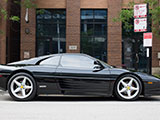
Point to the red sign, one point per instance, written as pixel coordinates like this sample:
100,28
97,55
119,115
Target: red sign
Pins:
140,10
140,25
147,39
147,35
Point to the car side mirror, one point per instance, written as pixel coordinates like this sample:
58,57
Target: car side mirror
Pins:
97,66
96,63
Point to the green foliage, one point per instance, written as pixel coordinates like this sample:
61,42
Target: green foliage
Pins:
28,4
15,18
3,12
126,15
156,75
1,32
40,11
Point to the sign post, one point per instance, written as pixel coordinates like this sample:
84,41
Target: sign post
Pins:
140,11
141,24
147,42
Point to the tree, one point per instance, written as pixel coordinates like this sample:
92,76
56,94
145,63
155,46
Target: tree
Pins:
126,15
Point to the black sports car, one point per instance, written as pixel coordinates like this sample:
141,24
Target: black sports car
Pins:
74,74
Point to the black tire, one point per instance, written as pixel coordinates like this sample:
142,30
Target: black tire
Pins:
138,92
32,94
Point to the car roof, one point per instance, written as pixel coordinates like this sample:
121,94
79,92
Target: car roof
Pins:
33,61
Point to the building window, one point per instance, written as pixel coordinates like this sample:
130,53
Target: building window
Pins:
94,33
51,32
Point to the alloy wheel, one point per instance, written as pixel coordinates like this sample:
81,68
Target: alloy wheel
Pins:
128,88
21,87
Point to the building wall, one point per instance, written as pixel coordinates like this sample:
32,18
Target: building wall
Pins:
3,37
73,26
28,41
94,4
51,3
155,50
114,34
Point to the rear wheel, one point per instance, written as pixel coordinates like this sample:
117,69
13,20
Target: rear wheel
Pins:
22,86
128,87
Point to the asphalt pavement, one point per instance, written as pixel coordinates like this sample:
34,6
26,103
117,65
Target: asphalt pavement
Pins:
74,108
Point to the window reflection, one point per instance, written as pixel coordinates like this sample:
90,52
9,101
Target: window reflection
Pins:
77,61
51,29
94,33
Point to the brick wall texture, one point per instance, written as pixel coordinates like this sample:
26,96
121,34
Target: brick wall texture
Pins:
3,28
73,25
114,34
28,41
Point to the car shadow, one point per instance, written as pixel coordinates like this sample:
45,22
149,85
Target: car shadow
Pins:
81,99
92,99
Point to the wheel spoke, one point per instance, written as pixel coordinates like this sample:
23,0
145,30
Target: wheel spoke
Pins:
24,81
17,90
130,82
133,88
124,84
23,92
17,83
129,93
28,87
123,90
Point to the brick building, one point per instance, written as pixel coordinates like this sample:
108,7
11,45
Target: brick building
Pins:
75,26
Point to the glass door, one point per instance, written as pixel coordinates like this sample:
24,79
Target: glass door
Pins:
133,52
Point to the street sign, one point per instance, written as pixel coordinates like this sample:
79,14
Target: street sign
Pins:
140,10
140,24
147,39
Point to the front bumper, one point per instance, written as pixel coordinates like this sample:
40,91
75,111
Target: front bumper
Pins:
151,84
151,89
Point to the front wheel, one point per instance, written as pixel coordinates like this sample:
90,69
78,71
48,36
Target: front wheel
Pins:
128,87
22,86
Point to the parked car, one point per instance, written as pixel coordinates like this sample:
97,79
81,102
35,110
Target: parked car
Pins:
74,74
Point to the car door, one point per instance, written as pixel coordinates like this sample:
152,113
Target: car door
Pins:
45,73
79,75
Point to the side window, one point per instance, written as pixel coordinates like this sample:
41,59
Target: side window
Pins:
51,61
77,61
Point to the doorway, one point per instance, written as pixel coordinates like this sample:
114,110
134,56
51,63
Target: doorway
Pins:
133,53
